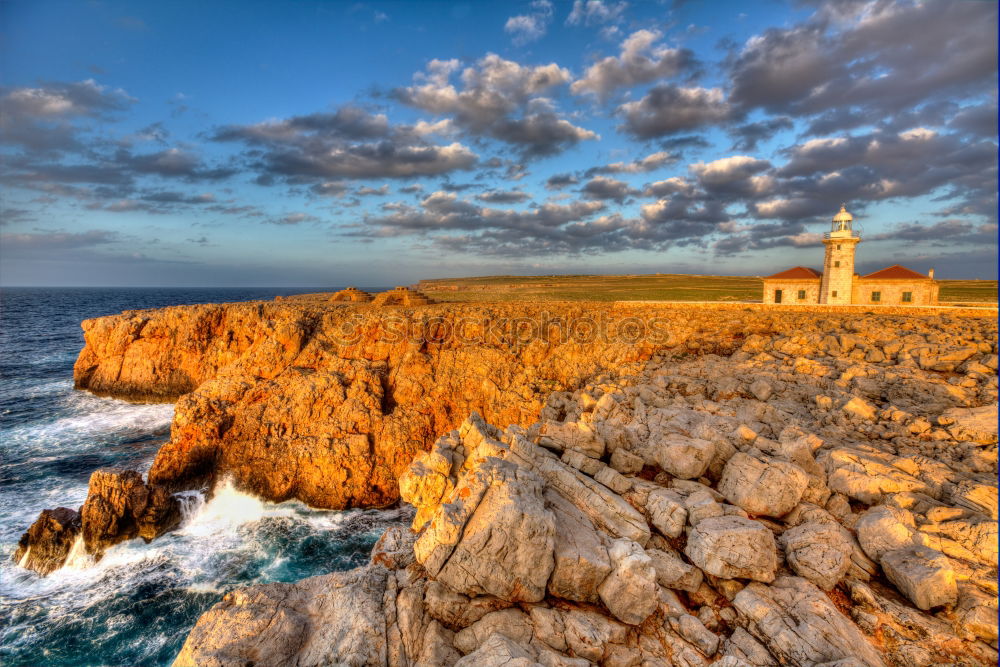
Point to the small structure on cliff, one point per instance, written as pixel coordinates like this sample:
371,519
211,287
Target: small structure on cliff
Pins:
402,296
352,294
838,284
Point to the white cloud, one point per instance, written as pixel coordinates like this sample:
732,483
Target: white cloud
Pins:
639,61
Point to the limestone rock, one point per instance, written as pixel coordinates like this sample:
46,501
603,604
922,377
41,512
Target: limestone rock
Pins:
456,611
761,389
673,572
867,476
977,425
629,592
511,623
606,509
625,461
613,479
300,624
499,651
577,436
120,506
923,575
818,551
588,633
702,505
693,630
49,540
581,557
683,457
742,650
860,408
800,625
667,512
495,538
884,528
765,487
733,547
977,613
394,549
425,483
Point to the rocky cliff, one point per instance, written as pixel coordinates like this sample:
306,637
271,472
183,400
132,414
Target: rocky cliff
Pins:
329,403
825,496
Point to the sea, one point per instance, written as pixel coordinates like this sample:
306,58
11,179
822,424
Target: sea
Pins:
136,605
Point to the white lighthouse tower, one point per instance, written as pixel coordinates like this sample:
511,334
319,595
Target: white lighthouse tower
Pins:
838,265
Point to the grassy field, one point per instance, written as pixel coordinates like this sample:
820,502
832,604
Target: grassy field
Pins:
968,291
655,287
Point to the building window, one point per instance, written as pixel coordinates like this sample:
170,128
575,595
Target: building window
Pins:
837,263
802,295
876,297
838,246
777,296
907,297
833,293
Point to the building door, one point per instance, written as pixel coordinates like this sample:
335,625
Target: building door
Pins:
777,296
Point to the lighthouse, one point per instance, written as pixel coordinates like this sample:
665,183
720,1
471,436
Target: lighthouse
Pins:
838,264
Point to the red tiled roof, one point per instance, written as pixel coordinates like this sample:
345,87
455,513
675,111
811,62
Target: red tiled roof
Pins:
797,273
895,272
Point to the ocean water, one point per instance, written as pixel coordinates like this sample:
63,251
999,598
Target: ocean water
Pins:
135,606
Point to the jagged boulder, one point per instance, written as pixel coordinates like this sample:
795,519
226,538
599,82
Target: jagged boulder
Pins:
300,624
121,506
667,512
629,592
819,551
923,575
673,572
732,547
49,540
885,528
494,537
499,650
681,456
581,555
763,486
799,625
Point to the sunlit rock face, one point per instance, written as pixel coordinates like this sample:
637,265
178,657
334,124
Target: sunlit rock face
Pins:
811,535
329,403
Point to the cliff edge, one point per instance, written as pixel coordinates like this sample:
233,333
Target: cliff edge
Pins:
328,403
815,499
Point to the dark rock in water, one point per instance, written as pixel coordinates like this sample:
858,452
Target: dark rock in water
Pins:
121,506
49,540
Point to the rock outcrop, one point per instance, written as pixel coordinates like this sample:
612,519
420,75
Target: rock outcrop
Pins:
120,506
541,544
49,540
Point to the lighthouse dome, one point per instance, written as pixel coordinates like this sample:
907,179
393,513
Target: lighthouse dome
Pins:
843,215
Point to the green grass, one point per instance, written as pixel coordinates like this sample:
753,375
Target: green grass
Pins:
968,291
655,287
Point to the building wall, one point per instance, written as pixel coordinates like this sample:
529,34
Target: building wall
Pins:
838,278
925,292
790,291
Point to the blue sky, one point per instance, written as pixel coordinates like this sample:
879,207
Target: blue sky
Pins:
328,143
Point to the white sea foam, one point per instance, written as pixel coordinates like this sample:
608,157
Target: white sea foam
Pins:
78,558
223,514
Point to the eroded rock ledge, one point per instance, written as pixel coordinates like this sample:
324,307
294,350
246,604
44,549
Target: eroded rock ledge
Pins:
806,501
329,403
